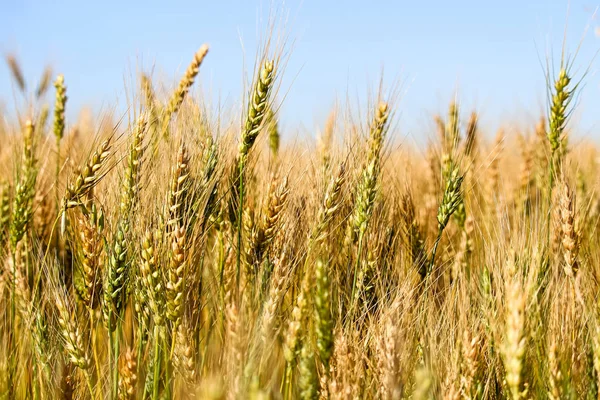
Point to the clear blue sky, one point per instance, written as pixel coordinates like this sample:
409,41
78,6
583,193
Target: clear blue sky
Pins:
490,51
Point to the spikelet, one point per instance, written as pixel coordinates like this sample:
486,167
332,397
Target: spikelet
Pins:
493,186
28,158
115,279
257,107
235,343
462,256
440,126
117,276
29,306
527,175
89,231
15,70
378,130
451,139
470,349
152,278
433,183
131,183
331,203
452,127
22,209
273,131
558,109
513,347
43,216
346,371
71,335
88,176
184,86
141,307
250,239
570,236
271,219
557,232
308,382
325,139
59,108
127,376
275,296
555,374
471,137
175,286
367,188
412,234
42,119
40,337
451,199
153,110
183,357
541,154
17,271
4,208
259,237
44,82
369,267
365,201
299,313
209,182
149,96
323,317
387,358
178,191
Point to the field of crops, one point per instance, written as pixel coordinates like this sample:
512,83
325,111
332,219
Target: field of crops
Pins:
180,252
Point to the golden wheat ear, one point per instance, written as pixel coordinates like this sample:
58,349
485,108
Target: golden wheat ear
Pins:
128,376
570,236
185,84
16,72
88,177
44,82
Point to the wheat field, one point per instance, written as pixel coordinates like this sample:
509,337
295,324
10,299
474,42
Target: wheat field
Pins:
179,253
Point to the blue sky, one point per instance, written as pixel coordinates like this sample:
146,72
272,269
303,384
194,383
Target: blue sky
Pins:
493,52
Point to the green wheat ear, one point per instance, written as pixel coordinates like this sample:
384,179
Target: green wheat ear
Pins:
59,108
257,107
558,109
22,210
451,199
4,208
323,318
308,380
367,187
